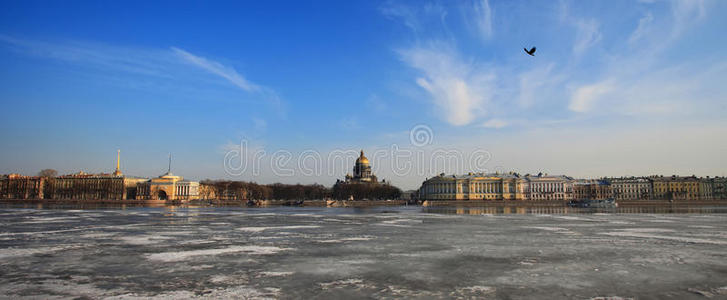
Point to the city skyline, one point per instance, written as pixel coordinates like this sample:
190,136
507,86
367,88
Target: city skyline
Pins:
614,89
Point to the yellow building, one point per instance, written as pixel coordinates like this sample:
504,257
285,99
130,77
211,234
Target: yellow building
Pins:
474,186
168,187
84,186
16,186
676,187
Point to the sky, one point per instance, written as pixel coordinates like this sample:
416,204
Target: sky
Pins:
290,91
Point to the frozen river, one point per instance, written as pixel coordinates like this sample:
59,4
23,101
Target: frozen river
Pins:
342,253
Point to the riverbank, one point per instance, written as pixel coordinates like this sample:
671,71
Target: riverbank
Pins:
362,203
205,203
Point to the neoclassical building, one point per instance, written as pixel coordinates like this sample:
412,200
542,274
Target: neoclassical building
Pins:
550,187
474,186
591,189
631,188
84,186
168,187
510,186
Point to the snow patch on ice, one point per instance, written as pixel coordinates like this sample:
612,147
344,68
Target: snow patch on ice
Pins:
41,220
660,221
475,289
143,240
366,238
665,237
276,274
183,255
647,230
97,235
237,292
260,229
351,282
19,252
399,222
560,230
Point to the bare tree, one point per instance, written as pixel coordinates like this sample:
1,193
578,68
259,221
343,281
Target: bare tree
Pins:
48,173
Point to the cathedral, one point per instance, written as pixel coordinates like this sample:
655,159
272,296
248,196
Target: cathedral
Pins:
361,171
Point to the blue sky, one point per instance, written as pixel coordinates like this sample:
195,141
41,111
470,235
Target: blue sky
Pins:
615,88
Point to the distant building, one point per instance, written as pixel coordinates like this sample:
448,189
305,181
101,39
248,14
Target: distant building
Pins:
549,187
16,186
631,188
79,186
719,188
706,188
361,171
83,186
591,189
168,187
474,186
676,187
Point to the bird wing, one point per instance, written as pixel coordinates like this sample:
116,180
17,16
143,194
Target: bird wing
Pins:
532,50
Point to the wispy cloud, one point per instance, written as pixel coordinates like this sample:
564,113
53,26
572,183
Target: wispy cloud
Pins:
349,123
585,97
228,73
535,84
417,17
466,88
376,103
483,18
167,67
495,123
686,13
587,35
460,89
218,69
643,28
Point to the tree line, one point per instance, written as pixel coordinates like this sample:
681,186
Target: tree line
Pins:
242,190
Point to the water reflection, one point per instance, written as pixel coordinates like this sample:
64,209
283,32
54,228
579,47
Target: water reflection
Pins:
499,210
460,210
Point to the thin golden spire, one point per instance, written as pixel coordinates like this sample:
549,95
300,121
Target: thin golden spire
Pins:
118,163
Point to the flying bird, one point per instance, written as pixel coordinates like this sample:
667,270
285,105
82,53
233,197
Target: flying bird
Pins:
531,51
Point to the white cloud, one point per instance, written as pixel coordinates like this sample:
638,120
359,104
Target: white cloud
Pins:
585,97
461,90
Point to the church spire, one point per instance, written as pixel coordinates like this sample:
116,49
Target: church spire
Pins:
117,172
169,170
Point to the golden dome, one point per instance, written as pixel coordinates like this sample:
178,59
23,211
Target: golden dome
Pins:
362,159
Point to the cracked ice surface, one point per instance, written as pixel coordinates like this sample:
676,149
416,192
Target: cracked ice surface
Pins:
335,253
